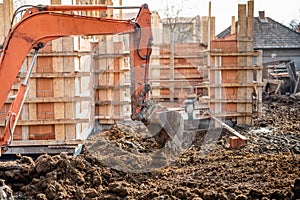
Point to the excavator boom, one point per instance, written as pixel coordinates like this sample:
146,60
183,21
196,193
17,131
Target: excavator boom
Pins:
41,24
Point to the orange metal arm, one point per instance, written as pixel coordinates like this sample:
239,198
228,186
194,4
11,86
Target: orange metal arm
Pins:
39,25
83,7
36,29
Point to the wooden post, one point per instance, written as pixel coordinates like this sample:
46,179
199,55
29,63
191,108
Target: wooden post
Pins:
233,28
244,38
204,38
6,12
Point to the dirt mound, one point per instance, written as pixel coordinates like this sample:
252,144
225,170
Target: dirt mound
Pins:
267,168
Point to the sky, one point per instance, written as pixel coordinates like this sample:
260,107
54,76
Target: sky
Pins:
281,11
223,10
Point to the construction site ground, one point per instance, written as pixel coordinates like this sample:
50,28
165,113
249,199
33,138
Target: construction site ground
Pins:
122,165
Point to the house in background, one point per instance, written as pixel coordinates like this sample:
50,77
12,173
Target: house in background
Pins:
279,44
186,29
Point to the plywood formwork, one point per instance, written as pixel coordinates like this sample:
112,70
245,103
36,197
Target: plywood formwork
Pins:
110,75
59,108
75,81
187,75
190,73
112,79
52,106
235,72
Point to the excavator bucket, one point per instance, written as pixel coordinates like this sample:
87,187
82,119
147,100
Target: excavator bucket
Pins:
133,146
166,126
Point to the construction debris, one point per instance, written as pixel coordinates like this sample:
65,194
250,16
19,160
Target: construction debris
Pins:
6,192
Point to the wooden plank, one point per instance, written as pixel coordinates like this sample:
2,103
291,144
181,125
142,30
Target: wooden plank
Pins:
204,38
56,47
57,99
32,88
292,72
44,87
227,127
69,83
6,12
59,87
234,54
67,44
52,99
297,85
32,111
250,16
25,133
68,64
277,91
46,142
107,121
240,85
44,132
224,68
70,131
57,64
58,2
242,29
24,112
233,27
73,54
242,101
57,75
45,110
59,110
212,28
49,122
60,132
69,110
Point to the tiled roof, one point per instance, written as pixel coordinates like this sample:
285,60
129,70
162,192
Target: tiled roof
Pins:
270,34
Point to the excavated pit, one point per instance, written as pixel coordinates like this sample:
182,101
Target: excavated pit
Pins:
267,168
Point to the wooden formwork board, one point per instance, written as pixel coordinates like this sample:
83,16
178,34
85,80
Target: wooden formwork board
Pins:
232,83
57,104
17,134
6,13
187,74
44,132
112,79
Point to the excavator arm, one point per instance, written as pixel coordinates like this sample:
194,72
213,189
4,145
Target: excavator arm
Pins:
41,24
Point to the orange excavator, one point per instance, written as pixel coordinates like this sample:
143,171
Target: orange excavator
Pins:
41,24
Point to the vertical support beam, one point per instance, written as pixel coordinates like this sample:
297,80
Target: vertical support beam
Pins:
259,80
120,11
172,67
245,44
6,12
233,28
212,28
250,25
242,61
209,25
249,59
109,12
242,20
204,30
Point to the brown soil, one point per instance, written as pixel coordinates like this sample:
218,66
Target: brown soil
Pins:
267,168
